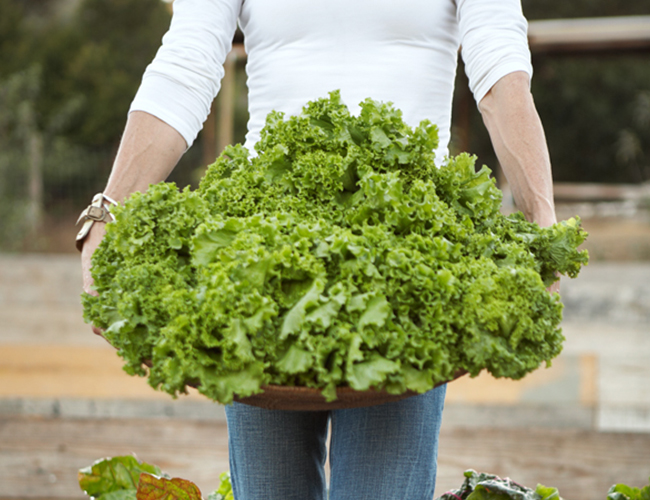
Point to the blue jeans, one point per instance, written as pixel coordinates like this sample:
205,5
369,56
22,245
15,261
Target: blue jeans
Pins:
385,452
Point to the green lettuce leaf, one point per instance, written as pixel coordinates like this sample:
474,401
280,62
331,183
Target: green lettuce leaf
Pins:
152,487
224,491
114,478
483,486
624,492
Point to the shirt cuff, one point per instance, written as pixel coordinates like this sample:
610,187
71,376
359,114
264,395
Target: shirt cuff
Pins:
498,72
172,102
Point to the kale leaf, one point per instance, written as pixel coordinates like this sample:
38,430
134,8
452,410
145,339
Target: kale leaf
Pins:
482,486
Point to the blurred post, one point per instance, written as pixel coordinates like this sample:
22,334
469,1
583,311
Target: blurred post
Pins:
33,144
226,118
218,130
463,112
35,183
209,143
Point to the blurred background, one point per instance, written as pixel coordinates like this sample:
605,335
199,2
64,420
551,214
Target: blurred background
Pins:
68,72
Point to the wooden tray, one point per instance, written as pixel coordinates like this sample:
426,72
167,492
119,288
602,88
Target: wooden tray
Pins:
276,397
279,397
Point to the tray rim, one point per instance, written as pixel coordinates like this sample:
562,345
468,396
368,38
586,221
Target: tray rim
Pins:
300,398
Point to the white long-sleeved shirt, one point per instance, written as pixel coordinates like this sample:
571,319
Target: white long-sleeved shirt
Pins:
404,52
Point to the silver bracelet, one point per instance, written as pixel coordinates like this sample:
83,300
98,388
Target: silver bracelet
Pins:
97,211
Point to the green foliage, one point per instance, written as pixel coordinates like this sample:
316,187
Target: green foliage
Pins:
118,39
66,81
95,58
340,255
624,492
14,43
591,108
98,57
32,153
19,139
482,486
126,478
114,478
224,492
161,488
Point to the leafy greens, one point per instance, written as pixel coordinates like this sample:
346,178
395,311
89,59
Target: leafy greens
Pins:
482,486
127,478
625,492
338,255
114,478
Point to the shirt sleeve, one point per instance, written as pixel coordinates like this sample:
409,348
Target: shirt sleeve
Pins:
494,43
180,83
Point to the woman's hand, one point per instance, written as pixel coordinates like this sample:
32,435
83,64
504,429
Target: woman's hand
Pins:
90,244
544,220
555,287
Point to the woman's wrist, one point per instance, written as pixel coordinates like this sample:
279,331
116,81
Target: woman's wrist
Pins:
544,213
97,212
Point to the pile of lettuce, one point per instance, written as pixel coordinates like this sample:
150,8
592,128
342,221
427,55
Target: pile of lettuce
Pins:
339,255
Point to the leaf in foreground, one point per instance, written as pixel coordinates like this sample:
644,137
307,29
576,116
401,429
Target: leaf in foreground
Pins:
160,488
224,492
114,478
625,492
482,486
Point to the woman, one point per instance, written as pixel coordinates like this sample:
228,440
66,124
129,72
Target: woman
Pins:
297,51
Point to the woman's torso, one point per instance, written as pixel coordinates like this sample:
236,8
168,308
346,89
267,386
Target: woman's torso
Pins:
402,52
